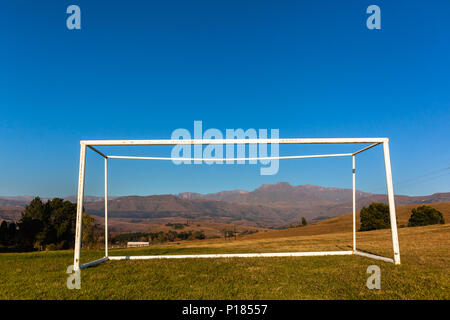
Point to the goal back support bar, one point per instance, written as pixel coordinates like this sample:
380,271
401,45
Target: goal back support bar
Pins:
92,144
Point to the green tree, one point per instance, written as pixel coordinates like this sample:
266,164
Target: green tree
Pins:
425,215
62,219
91,231
162,237
304,223
53,223
50,223
375,216
31,223
199,235
3,232
11,233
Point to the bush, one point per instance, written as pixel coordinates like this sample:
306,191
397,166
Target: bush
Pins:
304,223
176,226
424,216
197,235
51,247
375,217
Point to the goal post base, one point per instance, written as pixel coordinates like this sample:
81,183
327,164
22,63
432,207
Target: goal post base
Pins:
93,263
240,255
373,256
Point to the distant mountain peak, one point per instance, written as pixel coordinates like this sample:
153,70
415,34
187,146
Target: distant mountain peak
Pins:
269,205
278,185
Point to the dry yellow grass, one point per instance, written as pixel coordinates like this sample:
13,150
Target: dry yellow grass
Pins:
211,229
344,223
423,274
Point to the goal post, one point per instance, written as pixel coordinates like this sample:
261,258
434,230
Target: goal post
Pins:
94,144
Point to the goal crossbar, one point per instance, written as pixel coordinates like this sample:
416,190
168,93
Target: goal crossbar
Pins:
92,144
231,141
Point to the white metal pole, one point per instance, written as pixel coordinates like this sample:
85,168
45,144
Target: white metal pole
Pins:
354,204
79,218
106,207
231,141
234,159
390,190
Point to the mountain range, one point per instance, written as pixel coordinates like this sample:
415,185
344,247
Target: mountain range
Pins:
271,205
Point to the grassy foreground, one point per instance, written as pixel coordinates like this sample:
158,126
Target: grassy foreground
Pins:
424,273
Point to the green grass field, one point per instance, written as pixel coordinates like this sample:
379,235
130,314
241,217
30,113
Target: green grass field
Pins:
423,274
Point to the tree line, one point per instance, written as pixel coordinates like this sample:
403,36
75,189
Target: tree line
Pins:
51,226
47,226
157,237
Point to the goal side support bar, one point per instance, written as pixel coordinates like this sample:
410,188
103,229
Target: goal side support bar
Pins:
391,201
354,202
390,191
79,218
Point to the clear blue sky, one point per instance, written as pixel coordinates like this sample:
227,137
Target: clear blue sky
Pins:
140,69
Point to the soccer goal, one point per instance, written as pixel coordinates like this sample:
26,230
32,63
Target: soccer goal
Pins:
371,142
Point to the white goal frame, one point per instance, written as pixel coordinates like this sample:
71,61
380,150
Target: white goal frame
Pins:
92,144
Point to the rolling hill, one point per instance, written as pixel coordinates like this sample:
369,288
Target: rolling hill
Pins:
169,206
269,206
343,223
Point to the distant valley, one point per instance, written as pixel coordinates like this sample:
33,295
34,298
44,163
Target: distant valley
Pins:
269,206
